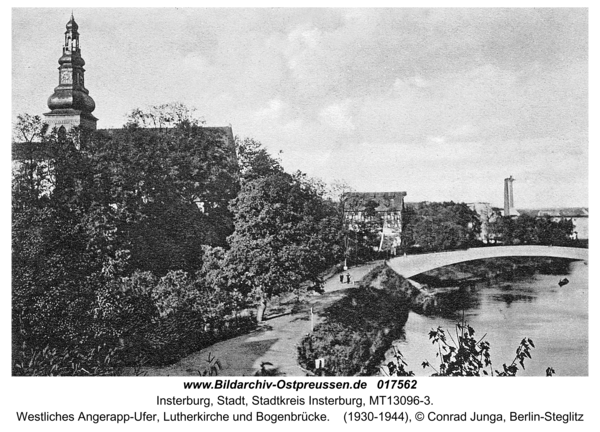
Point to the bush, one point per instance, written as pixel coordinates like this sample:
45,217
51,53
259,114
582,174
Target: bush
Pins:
131,321
345,351
72,361
358,330
177,315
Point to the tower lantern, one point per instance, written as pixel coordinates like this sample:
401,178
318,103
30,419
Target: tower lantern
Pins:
70,104
71,36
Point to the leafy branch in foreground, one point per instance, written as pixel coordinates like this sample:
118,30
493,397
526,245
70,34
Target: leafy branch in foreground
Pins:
462,354
397,367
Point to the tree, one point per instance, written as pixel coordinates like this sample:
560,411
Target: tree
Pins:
526,229
59,253
168,189
89,208
440,226
338,189
163,116
285,234
29,159
29,128
254,160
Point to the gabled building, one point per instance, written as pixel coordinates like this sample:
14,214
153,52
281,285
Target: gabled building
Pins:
383,208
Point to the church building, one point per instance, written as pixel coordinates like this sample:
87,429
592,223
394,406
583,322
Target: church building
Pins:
72,106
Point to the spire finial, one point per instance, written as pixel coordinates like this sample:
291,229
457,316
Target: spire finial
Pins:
72,24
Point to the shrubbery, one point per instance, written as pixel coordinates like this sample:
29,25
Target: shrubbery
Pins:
357,332
72,361
190,317
134,321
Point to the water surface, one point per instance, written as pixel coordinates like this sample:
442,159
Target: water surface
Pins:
555,318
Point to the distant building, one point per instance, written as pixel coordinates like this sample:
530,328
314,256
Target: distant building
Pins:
578,215
384,208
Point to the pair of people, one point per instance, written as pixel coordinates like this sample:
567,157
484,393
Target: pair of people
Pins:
347,278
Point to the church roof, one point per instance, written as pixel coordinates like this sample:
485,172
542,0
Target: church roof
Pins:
39,151
224,132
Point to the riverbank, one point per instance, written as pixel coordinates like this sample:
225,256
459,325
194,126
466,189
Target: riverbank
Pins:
359,328
446,291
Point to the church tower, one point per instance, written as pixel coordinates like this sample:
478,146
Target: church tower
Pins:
70,103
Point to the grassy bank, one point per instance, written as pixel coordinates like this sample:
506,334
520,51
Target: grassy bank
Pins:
359,328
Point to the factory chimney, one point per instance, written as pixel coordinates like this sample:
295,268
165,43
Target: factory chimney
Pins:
509,203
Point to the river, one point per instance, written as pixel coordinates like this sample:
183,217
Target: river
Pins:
554,318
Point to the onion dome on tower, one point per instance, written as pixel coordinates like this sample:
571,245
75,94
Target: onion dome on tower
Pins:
71,104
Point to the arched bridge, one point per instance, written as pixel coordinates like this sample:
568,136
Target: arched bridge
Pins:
413,265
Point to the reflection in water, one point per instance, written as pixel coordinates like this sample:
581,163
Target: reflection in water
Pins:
508,298
555,318
453,301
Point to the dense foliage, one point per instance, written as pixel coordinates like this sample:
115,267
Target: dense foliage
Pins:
434,226
363,240
91,209
529,230
142,245
285,235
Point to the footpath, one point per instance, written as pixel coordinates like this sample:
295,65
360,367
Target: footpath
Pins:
275,341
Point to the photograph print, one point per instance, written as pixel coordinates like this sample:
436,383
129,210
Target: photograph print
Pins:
299,192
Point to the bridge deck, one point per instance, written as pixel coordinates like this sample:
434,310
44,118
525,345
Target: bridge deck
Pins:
412,265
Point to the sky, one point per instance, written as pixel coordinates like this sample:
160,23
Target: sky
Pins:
441,103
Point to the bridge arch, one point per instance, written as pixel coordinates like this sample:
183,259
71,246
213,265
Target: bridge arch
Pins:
412,265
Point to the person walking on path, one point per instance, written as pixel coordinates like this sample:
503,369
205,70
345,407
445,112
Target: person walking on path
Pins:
348,277
341,277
